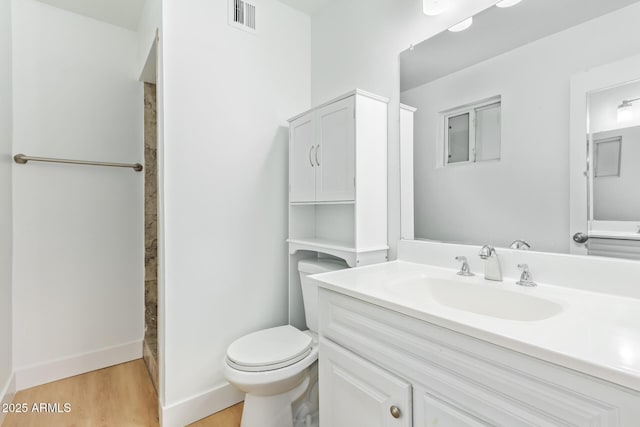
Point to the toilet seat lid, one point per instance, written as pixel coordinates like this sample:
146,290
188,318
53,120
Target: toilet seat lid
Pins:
272,346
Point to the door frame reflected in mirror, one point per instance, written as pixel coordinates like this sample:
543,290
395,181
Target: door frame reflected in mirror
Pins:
581,153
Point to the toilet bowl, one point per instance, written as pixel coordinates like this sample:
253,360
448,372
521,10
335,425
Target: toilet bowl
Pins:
276,367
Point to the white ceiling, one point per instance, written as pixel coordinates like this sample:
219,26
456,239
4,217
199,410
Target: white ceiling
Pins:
496,31
123,13
307,6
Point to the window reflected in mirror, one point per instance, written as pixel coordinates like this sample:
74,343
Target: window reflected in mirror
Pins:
458,138
473,132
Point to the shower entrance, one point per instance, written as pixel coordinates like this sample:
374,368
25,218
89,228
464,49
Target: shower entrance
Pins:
150,345
150,350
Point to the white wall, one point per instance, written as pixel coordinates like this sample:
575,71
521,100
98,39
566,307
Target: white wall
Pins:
150,22
78,252
526,194
5,199
357,43
227,95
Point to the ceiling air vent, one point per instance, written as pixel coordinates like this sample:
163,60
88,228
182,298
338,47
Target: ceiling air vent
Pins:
242,15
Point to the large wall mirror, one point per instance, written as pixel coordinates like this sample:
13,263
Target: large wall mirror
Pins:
492,134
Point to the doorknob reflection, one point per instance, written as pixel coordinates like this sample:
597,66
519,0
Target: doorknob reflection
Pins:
580,238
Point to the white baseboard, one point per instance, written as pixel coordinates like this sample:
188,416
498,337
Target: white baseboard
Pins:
197,407
7,392
54,370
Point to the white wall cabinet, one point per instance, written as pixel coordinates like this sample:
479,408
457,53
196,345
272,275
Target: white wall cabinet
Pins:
337,185
322,159
302,166
335,151
455,380
354,392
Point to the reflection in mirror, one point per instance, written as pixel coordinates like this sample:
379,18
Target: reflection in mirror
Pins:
614,130
491,130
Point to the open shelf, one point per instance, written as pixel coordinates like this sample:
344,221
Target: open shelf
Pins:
349,253
319,244
323,223
331,247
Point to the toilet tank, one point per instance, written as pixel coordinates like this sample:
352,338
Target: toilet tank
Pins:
307,267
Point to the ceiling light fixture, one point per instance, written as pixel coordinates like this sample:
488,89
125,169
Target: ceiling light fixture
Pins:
624,110
434,7
507,3
462,25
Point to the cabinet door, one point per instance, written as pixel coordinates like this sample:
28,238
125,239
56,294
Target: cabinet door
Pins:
335,151
430,411
354,392
302,166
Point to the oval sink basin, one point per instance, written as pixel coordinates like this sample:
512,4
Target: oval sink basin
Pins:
478,299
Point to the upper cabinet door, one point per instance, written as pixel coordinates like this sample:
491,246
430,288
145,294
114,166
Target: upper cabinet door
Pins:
335,151
302,161
354,392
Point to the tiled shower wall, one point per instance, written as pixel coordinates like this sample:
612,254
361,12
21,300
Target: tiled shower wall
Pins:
150,349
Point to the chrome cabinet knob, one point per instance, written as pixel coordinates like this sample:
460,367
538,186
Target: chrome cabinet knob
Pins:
395,412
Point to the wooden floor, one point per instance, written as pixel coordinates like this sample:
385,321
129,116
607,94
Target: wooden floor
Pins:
120,396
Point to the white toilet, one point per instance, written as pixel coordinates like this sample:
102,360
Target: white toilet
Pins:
276,367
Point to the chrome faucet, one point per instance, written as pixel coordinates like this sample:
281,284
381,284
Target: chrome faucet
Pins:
465,270
526,279
492,270
520,244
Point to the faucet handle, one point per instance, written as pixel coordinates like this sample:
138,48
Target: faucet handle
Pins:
526,278
520,244
465,270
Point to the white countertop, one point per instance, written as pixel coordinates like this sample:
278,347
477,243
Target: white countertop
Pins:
596,333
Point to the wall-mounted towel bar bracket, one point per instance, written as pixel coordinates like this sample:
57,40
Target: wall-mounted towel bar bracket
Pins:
23,159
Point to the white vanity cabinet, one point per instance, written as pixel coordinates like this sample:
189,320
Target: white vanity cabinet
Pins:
358,393
430,411
454,380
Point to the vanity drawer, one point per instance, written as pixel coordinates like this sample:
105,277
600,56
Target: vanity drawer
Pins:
488,383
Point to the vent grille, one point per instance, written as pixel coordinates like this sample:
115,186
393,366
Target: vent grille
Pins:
242,15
